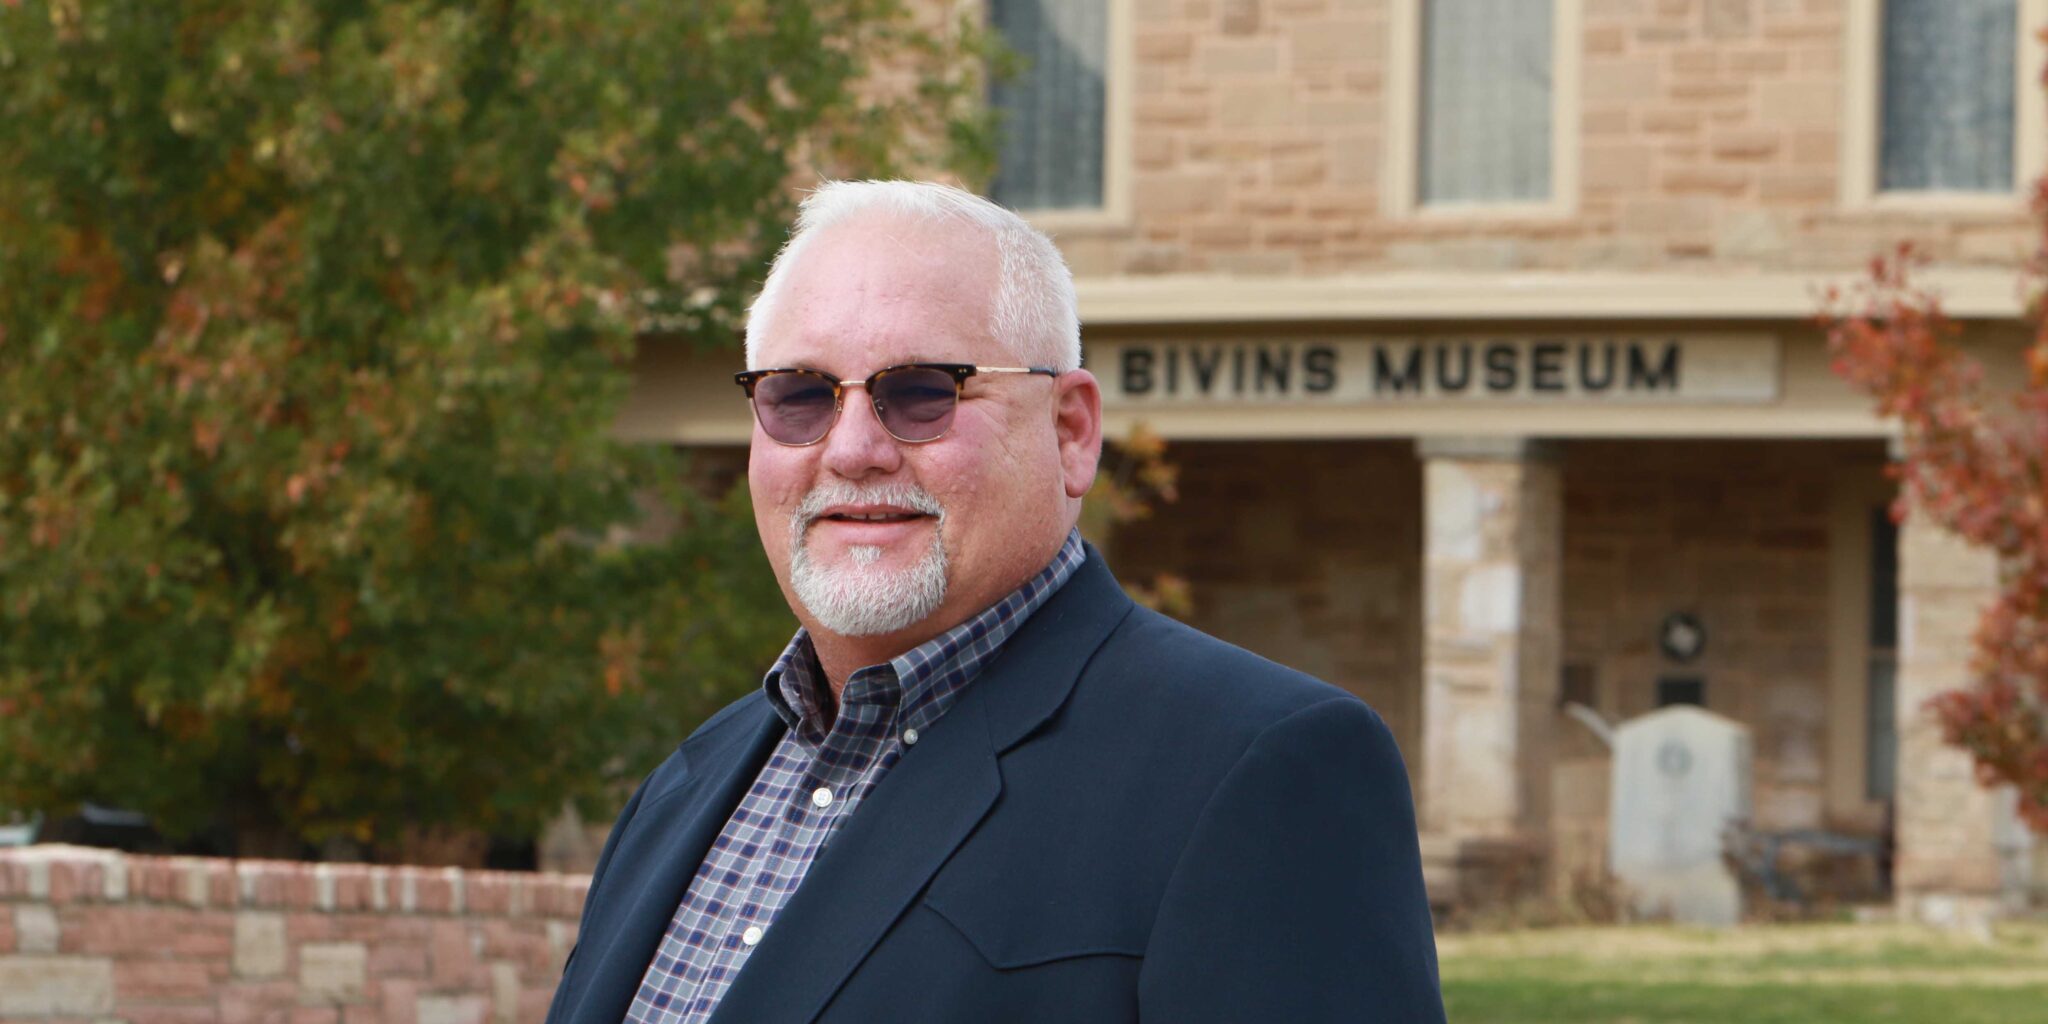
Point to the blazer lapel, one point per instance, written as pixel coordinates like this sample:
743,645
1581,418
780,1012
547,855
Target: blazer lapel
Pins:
1043,661
922,810
667,840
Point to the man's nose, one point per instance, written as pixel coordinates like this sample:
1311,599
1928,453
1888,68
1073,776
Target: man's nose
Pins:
859,445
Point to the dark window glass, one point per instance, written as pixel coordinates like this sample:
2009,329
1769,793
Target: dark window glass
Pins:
1881,738
1485,101
1948,95
1884,579
1052,113
1681,690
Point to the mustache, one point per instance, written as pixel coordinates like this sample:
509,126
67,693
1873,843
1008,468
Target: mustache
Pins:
846,492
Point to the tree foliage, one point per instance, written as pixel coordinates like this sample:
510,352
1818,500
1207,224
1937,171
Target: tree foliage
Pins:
314,319
1136,477
1975,462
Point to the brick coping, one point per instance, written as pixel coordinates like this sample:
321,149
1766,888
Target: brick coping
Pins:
61,874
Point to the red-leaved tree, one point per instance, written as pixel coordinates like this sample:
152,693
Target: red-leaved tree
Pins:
1975,461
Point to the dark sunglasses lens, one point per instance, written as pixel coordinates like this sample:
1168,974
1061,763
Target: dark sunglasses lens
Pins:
916,404
794,408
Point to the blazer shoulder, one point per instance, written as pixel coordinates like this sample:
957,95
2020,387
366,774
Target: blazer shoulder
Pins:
1169,665
740,708
708,743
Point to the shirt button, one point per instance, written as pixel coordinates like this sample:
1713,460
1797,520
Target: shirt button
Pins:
751,936
910,737
821,797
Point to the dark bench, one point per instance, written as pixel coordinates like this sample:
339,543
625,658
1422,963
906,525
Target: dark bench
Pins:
1756,851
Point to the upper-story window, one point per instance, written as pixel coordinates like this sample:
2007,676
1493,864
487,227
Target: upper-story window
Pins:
1484,116
1943,102
1053,153
1947,95
1483,106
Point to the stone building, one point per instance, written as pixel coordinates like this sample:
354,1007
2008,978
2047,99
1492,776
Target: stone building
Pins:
1484,334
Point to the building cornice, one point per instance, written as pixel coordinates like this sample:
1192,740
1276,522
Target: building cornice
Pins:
1986,293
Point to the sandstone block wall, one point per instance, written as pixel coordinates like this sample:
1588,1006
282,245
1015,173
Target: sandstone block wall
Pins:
1316,563
1710,138
1320,567
1490,636
1738,534
1944,816
96,936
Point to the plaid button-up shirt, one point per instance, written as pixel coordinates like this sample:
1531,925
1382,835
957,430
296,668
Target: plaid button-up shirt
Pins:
813,782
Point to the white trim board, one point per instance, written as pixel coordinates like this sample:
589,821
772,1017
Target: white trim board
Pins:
1455,296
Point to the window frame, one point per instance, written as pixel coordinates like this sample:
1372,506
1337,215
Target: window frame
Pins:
1863,119
1401,195
1118,87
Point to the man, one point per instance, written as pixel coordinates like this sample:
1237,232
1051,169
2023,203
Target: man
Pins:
980,785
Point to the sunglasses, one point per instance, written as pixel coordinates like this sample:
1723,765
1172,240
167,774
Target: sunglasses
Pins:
915,402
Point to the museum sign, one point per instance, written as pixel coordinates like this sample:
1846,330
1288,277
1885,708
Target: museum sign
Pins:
1648,367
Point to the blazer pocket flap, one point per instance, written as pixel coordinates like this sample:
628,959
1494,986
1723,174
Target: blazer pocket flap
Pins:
1012,934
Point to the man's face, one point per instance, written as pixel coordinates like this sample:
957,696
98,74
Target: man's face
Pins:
871,536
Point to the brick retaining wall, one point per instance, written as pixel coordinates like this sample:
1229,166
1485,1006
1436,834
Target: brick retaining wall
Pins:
96,936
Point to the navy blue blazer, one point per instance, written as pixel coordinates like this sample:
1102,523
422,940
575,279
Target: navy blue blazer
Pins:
1122,819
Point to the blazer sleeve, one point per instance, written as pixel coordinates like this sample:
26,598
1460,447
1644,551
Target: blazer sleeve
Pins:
556,1005
1299,895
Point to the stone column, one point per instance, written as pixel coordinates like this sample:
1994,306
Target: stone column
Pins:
1491,641
1948,867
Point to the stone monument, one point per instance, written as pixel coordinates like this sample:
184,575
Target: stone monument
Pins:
1681,779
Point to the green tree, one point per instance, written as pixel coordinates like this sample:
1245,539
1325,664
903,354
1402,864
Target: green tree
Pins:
314,319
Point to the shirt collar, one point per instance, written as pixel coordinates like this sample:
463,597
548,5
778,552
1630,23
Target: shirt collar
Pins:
922,681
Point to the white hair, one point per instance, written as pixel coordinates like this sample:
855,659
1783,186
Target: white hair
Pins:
1033,312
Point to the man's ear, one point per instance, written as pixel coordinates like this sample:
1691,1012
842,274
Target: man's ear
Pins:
1077,420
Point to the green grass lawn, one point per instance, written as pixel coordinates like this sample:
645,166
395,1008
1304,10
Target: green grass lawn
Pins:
1766,974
